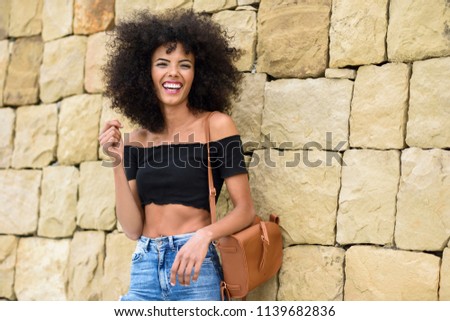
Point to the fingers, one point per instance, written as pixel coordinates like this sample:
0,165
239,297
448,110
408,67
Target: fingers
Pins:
110,123
182,269
111,135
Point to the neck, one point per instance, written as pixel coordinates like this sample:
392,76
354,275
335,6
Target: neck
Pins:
177,119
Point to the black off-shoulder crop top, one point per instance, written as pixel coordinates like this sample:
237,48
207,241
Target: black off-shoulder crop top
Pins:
178,173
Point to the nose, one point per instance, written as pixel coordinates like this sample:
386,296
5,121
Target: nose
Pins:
173,71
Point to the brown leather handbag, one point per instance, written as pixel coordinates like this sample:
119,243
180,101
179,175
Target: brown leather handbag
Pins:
249,257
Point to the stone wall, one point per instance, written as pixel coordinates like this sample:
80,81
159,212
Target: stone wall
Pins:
345,117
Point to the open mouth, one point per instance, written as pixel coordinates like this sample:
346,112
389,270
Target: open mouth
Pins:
172,87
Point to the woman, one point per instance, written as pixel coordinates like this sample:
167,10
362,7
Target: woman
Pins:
167,73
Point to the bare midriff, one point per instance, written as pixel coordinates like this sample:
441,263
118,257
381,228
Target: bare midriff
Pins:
173,219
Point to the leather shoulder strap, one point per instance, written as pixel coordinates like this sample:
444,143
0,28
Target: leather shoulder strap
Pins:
212,189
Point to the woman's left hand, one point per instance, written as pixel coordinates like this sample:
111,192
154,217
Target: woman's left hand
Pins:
190,258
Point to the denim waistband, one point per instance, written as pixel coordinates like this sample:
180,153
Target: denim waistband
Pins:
173,241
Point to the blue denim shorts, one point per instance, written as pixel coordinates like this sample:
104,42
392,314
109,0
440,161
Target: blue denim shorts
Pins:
150,272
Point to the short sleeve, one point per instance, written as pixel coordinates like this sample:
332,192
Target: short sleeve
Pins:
227,156
130,161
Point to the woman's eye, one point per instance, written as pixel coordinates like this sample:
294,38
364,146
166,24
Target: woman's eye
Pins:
186,66
161,64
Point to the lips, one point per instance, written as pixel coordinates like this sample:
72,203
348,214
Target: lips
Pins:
172,87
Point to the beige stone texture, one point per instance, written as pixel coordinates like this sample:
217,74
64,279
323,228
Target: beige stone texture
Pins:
62,70
214,6
306,201
4,18
21,86
377,274
91,16
358,32
312,273
340,73
379,107
95,59
19,196
367,199
78,129
247,2
25,18
444,284
293,38
41,269
8,247
4,61
95,208
429,104
58,204
57,19
8,117
423,201
85,266
247,110
116,279
35,136
109,114
125,8
299,113
418,29
241,25
265,292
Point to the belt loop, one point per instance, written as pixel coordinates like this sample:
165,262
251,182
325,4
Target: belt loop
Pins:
171,244
147,244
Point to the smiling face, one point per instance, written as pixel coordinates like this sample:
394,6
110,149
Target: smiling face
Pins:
172,75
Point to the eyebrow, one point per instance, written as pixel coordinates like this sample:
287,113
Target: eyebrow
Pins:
167,60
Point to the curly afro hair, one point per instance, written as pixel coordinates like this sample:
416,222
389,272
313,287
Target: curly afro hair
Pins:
127,72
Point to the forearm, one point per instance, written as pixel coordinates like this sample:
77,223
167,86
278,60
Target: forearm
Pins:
236,220
129,212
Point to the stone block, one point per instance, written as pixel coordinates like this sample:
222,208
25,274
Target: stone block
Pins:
91,16
95,209
423,201
418,29
8,117
367,199
358,32
78,129
241,25
41,269
85,267
25,18
35,140
377,274
305,197
116,279
214,6
57,19
4,61
247,2
8,247
307,113
379,107
62,70
265,292
19,196
95,59
21,87
4,18
125,8
312,273
331,73
429,104
58,204
247,110
293,38
444,284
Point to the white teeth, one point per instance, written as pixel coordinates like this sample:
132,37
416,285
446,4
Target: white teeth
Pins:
172,86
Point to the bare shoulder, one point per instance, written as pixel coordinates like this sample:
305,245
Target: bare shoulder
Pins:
137,137
222,125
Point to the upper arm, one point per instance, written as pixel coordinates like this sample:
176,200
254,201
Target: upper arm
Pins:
131,164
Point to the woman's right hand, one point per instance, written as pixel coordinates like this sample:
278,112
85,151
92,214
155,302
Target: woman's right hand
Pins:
110,139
